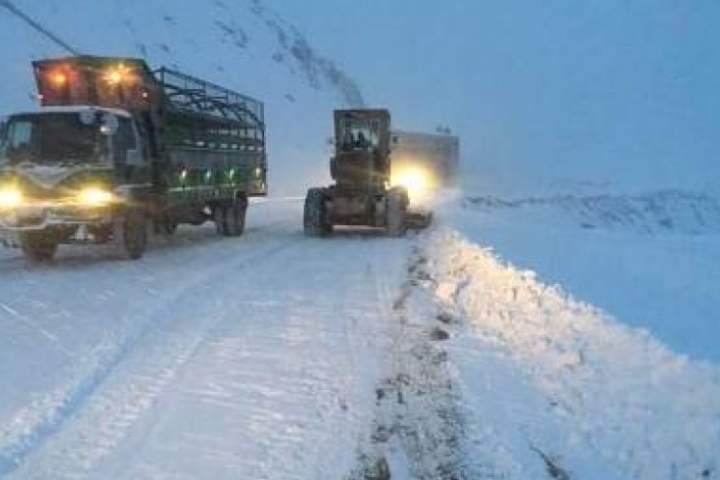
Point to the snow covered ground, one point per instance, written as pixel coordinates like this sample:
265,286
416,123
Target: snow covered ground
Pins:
542,373
528,337
277,356
212,359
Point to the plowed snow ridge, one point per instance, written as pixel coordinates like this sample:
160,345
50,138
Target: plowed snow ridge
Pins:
608,400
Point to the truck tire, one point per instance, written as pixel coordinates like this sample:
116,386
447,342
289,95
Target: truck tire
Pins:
315,217
396,212
38,246
131,233
170,228
234,217
220,219
165,225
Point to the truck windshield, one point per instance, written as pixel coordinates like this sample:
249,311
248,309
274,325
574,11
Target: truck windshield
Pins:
53,138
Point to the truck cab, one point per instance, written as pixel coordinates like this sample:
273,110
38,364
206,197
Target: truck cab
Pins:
65,139
64,171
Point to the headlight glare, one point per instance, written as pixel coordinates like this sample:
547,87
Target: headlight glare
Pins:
10,197
417,181
95,197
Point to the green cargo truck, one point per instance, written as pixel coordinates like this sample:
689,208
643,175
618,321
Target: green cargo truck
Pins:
117,149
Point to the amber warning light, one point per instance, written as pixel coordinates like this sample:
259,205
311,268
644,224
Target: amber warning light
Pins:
55,83
61,77
119,75
58,79
92,81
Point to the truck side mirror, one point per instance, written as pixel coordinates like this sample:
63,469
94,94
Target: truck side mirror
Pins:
3,128
395,140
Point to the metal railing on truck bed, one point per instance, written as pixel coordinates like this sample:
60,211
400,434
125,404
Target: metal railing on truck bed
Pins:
216,137
192,95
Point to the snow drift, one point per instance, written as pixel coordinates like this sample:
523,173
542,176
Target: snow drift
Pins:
547,373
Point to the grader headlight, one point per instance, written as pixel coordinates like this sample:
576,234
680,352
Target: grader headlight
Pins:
417,181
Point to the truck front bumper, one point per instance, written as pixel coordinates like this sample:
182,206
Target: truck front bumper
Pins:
48,219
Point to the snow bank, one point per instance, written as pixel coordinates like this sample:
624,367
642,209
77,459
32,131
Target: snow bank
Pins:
574,386
651,260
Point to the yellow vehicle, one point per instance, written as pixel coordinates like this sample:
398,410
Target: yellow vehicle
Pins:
363,194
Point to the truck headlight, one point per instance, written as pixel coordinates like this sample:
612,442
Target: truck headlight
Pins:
10,197
96,197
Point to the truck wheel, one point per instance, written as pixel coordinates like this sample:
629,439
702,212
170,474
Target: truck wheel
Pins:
131,233
396,213
315,221
220,219
38,247
234,217
166,226
169,228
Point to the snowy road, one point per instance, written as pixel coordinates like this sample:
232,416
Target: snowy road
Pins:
243,352
281,357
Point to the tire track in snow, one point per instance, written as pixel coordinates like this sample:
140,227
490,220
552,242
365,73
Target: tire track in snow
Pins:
301,379
418,431
31,427
161,354
294,382
47,335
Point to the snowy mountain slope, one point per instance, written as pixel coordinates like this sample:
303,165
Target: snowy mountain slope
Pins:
244,45
225,22
663,212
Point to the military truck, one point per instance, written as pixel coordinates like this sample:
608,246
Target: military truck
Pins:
361,167
117,149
